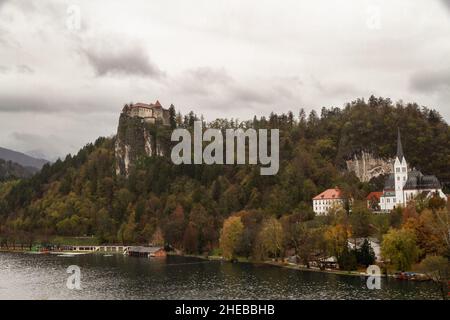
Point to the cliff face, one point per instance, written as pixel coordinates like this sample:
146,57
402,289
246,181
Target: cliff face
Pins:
366,166
136,139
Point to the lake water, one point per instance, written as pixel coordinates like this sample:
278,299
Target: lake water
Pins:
27,276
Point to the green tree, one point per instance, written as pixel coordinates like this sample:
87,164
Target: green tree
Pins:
172,117
365,255
347,259
360,221
399,248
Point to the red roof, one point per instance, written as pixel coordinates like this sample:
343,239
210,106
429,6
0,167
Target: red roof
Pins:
140,105
374,195
329,194
157,104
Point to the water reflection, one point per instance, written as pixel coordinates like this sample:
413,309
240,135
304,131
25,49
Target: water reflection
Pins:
25,276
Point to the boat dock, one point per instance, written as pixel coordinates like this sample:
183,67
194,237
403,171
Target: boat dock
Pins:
117,249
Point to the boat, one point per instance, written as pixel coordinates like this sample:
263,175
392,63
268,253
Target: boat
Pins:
411,276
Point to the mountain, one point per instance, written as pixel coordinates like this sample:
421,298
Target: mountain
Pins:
126,188
21,158
11,170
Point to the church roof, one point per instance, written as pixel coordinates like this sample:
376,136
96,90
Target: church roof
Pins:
141,105
418,181
389,184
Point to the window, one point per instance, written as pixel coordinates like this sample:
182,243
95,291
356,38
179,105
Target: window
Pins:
404,178
398,178
404,169
398,169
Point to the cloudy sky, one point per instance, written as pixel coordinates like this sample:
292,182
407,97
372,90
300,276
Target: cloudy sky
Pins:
67,67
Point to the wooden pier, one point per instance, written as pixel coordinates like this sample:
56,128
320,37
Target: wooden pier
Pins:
116,249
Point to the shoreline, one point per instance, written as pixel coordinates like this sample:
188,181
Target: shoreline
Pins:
212,258
217,258
286,265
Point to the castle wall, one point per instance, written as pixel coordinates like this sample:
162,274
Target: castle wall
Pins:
150,114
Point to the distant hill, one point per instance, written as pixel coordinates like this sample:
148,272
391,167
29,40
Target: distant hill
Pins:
11,170
21,158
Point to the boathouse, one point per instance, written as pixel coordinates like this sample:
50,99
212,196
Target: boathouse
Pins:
147,252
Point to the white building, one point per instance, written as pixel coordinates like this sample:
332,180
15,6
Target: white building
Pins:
151,113
328,199
404,185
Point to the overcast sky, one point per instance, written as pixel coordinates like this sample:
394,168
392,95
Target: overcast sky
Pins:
67,67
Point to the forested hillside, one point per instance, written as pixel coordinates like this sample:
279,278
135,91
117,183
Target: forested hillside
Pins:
185,206
10,170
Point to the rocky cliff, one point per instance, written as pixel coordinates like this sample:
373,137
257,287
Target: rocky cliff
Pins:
136,139
366,166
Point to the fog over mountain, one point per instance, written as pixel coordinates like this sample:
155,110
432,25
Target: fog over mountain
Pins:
21,158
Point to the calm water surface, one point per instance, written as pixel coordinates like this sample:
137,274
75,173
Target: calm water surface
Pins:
27,276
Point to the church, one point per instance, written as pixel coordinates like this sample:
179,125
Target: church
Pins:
404,185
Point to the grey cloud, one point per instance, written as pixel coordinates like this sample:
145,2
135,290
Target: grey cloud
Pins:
208,75
23,103
202,81
446,3
129,61
4,69
38,103
24,69
250,95
218,84
431,81
29,141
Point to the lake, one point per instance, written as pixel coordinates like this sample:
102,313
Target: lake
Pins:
28,276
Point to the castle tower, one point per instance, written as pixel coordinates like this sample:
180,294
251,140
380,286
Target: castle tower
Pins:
400,172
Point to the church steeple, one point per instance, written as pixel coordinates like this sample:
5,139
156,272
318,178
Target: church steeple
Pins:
400,154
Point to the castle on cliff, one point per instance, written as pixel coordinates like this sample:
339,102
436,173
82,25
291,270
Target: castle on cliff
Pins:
150,113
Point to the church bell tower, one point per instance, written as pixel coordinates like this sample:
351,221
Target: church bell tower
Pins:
400,173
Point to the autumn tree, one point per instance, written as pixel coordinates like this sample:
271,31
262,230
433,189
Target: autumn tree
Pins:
438,269
270,239
191,238
174,227
158,237
230,236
